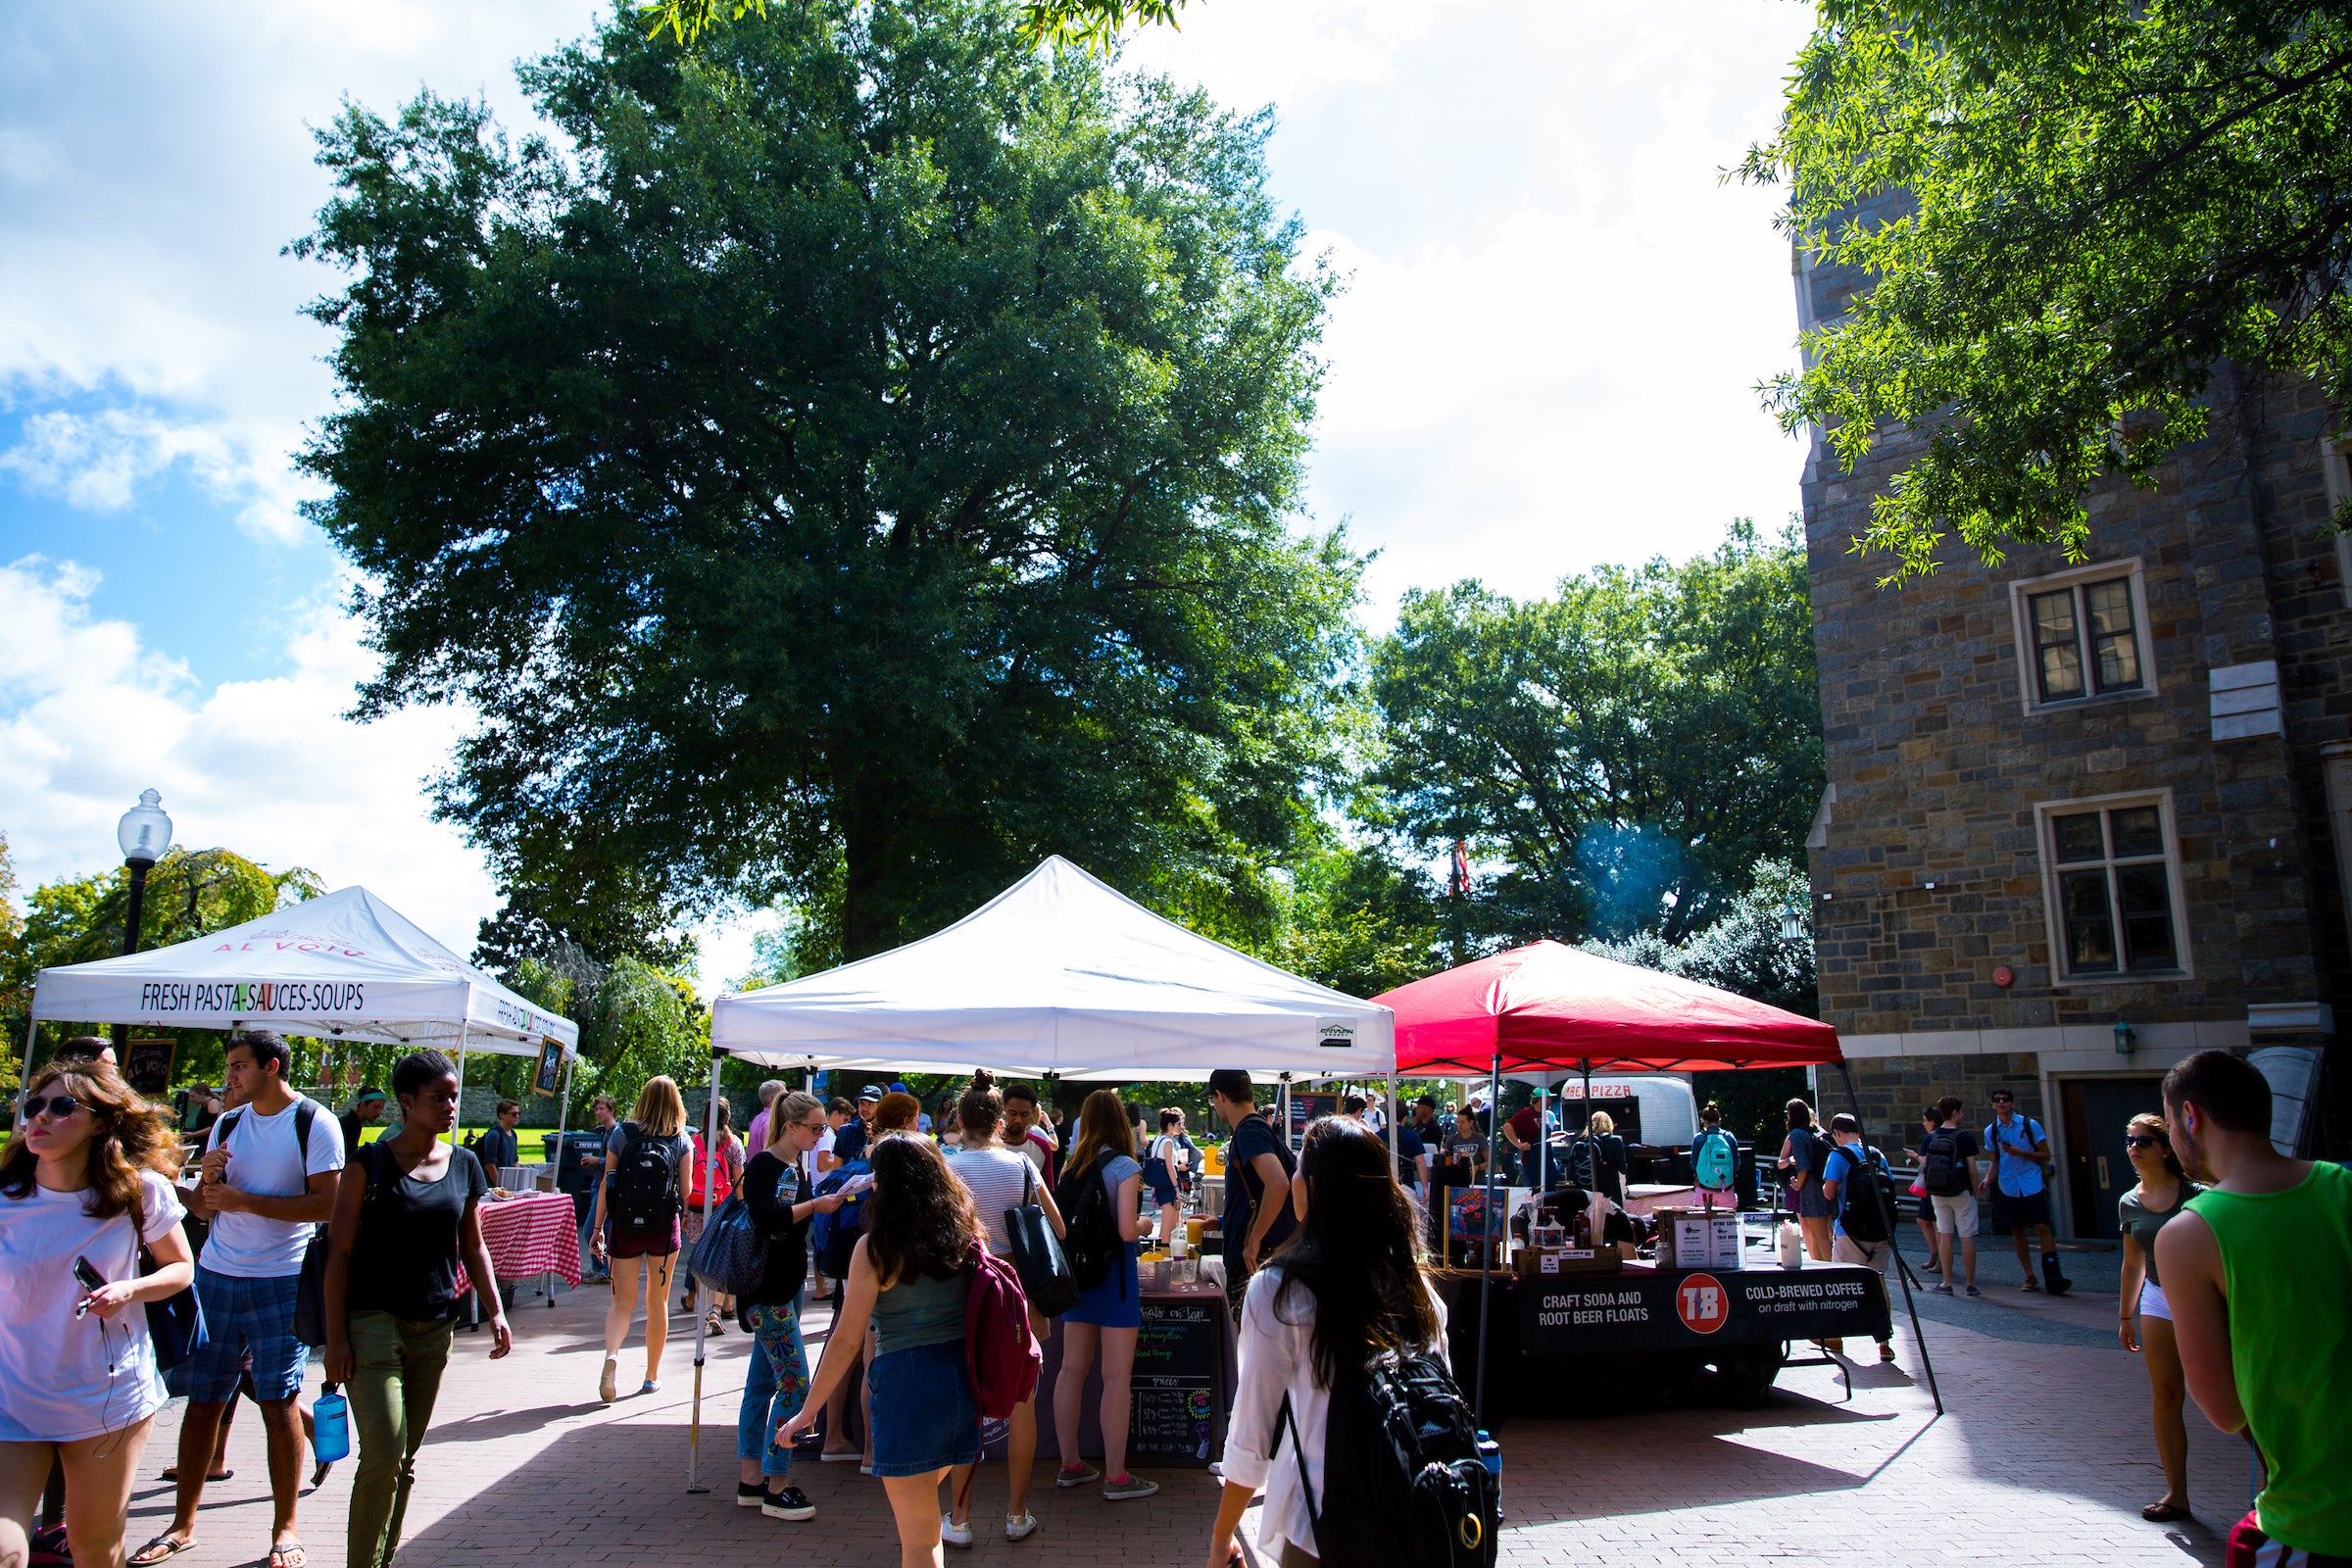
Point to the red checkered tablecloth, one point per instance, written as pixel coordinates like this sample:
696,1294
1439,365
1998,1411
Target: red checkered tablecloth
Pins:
533,1233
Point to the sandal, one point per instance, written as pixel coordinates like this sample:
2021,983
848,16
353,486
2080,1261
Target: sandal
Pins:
318,1475
711,1322
2165,1513
290,1556
162,1549
172,1473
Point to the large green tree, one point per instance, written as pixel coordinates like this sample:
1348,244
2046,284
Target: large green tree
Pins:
2059,216
871,450
1620,754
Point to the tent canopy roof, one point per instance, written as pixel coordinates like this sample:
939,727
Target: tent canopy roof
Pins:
1547,1007
1059,974
344,964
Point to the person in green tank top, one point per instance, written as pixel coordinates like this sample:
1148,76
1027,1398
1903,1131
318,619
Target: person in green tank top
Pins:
2258,1273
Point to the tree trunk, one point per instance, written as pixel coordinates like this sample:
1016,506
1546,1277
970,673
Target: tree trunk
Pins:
868,919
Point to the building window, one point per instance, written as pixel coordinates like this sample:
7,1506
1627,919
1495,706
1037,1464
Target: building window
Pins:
2084,634
2113,878
2335,472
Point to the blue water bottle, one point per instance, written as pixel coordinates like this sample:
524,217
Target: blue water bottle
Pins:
331,1426
1490,1455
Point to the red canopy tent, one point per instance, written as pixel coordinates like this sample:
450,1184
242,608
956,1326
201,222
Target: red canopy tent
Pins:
1552,1007
1549,1007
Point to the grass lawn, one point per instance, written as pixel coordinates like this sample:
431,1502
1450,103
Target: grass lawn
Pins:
530,1141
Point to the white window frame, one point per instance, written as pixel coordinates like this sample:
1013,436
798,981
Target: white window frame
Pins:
2053,913
2028,657
2335,474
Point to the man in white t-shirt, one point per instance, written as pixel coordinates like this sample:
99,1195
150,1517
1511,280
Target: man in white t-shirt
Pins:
270,1166
1021,1131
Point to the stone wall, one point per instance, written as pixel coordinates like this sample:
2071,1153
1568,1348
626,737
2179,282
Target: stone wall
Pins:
1894,1090
1931,867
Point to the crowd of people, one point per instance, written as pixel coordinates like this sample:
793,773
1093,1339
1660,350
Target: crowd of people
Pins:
293,1213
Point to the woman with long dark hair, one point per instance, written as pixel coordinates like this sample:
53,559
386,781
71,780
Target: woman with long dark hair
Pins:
1110,1317
1346,1287
1804,1156
908,1277
85,1183
999,1179
407,1210
2147,1319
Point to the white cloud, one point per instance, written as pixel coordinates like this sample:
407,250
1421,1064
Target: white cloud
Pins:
97,461
270,769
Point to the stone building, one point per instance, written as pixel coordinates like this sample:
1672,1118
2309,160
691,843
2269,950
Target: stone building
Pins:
2083,820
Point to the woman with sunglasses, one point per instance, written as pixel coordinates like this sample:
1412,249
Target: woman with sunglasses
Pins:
85,1183
775,1188
2147,1322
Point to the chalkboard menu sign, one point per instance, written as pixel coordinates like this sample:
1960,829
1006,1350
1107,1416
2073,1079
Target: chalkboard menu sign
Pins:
1174,1419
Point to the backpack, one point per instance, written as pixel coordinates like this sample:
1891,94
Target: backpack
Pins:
1715,1166
309,1292
1092,1244
1403,1486
694,1196
1859,1209
835,1236
1000,1356
1942,1171
645,1187
1581,1162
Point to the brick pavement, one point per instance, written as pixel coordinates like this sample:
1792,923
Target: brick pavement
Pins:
2043,1458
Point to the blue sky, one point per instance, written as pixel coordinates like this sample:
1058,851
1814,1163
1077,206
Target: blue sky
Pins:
1546,359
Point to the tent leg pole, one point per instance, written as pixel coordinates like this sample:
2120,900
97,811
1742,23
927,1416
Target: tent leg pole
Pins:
1543,1135
1902,1273
1486,1257
701,1316
554,1167
32,1030
459,1120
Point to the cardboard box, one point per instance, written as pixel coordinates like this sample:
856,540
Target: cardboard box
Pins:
1546,1262
1691,1239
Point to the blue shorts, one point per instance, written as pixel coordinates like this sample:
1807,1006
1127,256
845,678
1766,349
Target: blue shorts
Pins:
1116,1304
923,1414
1162,1184
247,1317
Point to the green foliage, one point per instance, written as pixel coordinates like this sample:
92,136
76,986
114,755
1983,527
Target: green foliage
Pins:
1744,950
1627,750
81,919
635,1022
872,458
2064,214
1092,25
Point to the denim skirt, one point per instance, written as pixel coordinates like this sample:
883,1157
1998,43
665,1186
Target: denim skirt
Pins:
923,1413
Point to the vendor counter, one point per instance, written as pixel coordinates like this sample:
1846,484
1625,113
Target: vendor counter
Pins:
1182,1389
1594,1341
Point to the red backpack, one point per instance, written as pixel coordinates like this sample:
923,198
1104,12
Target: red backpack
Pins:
1000,1355
695,1197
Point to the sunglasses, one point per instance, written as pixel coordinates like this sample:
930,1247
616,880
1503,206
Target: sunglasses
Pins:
2003,1100
2142,1141
58,1106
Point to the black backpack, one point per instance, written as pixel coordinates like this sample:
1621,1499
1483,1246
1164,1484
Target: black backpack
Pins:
1942,1170
1092,1245
645,1187
1403,1486
1860,1192
1583,1162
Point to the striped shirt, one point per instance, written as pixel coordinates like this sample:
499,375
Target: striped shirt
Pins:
998,1180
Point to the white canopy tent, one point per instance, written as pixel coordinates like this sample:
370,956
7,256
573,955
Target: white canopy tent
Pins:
1058,976
1061,976
345,967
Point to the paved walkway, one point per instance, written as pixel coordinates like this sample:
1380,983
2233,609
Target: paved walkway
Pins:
2043,1457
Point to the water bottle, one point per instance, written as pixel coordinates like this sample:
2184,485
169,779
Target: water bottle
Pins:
1490,1455
330,1424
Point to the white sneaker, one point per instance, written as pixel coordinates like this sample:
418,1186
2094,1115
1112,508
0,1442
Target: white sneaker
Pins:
953,1533
1020,1528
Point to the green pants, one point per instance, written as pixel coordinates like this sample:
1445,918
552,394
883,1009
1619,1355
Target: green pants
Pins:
396,1374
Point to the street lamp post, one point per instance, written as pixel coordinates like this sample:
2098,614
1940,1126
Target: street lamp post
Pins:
144,833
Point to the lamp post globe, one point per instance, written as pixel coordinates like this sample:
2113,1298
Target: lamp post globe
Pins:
145,831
